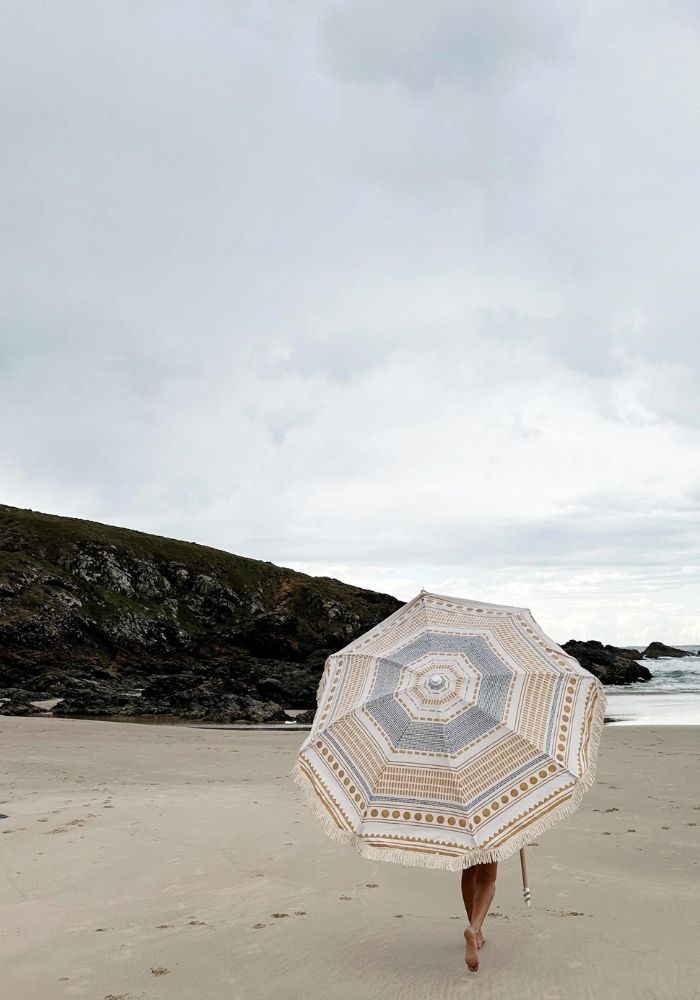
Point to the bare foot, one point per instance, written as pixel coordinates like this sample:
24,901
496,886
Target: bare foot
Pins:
472,955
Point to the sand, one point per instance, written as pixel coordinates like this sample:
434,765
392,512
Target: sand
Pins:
181,863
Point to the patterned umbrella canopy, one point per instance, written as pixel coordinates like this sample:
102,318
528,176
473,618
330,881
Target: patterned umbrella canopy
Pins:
453,733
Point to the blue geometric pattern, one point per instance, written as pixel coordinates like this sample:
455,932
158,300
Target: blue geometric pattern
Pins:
410,734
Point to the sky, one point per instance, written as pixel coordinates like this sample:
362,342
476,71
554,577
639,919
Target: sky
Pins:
402,293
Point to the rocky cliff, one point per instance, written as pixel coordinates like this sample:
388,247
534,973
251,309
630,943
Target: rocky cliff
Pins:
118,622
95,614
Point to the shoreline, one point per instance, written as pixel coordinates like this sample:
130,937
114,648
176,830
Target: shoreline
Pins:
277,727
175,722
670,697
654,707
157,722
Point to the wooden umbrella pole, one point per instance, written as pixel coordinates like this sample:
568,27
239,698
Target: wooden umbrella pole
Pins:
523,869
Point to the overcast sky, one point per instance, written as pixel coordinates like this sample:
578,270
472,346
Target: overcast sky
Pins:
401,292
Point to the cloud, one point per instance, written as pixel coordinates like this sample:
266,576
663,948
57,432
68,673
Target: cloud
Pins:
474,44
401,293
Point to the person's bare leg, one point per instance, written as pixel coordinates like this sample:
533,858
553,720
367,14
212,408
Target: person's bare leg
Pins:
468,897
484,891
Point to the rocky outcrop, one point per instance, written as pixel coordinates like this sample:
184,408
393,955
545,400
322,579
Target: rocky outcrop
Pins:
118,622
306,717
610,664
22,694
18,706
210,700
88,697
656,650
185,696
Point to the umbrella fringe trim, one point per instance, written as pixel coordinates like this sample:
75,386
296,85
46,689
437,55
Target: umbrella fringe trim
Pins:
476,857
319,810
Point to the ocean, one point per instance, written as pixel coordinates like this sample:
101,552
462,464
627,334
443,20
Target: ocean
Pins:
670,698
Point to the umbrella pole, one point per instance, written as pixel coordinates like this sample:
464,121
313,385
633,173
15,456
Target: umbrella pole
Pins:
523,869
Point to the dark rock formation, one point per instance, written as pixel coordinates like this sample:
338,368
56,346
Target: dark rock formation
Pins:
118,622
610,664
655,650
23,695
210,700
87,697
306,718
18,706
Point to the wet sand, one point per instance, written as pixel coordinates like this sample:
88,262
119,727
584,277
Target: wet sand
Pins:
144,863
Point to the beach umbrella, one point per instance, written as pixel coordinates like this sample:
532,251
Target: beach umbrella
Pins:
453,733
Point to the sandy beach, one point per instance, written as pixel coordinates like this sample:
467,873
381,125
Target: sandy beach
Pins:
151,862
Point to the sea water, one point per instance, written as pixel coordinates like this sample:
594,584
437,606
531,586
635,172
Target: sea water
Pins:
670,698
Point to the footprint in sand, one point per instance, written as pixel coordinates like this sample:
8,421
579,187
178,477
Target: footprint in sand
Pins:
162,927
198,923
258,926
344,897
371,885
397,915
279,914
300,913
160,970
